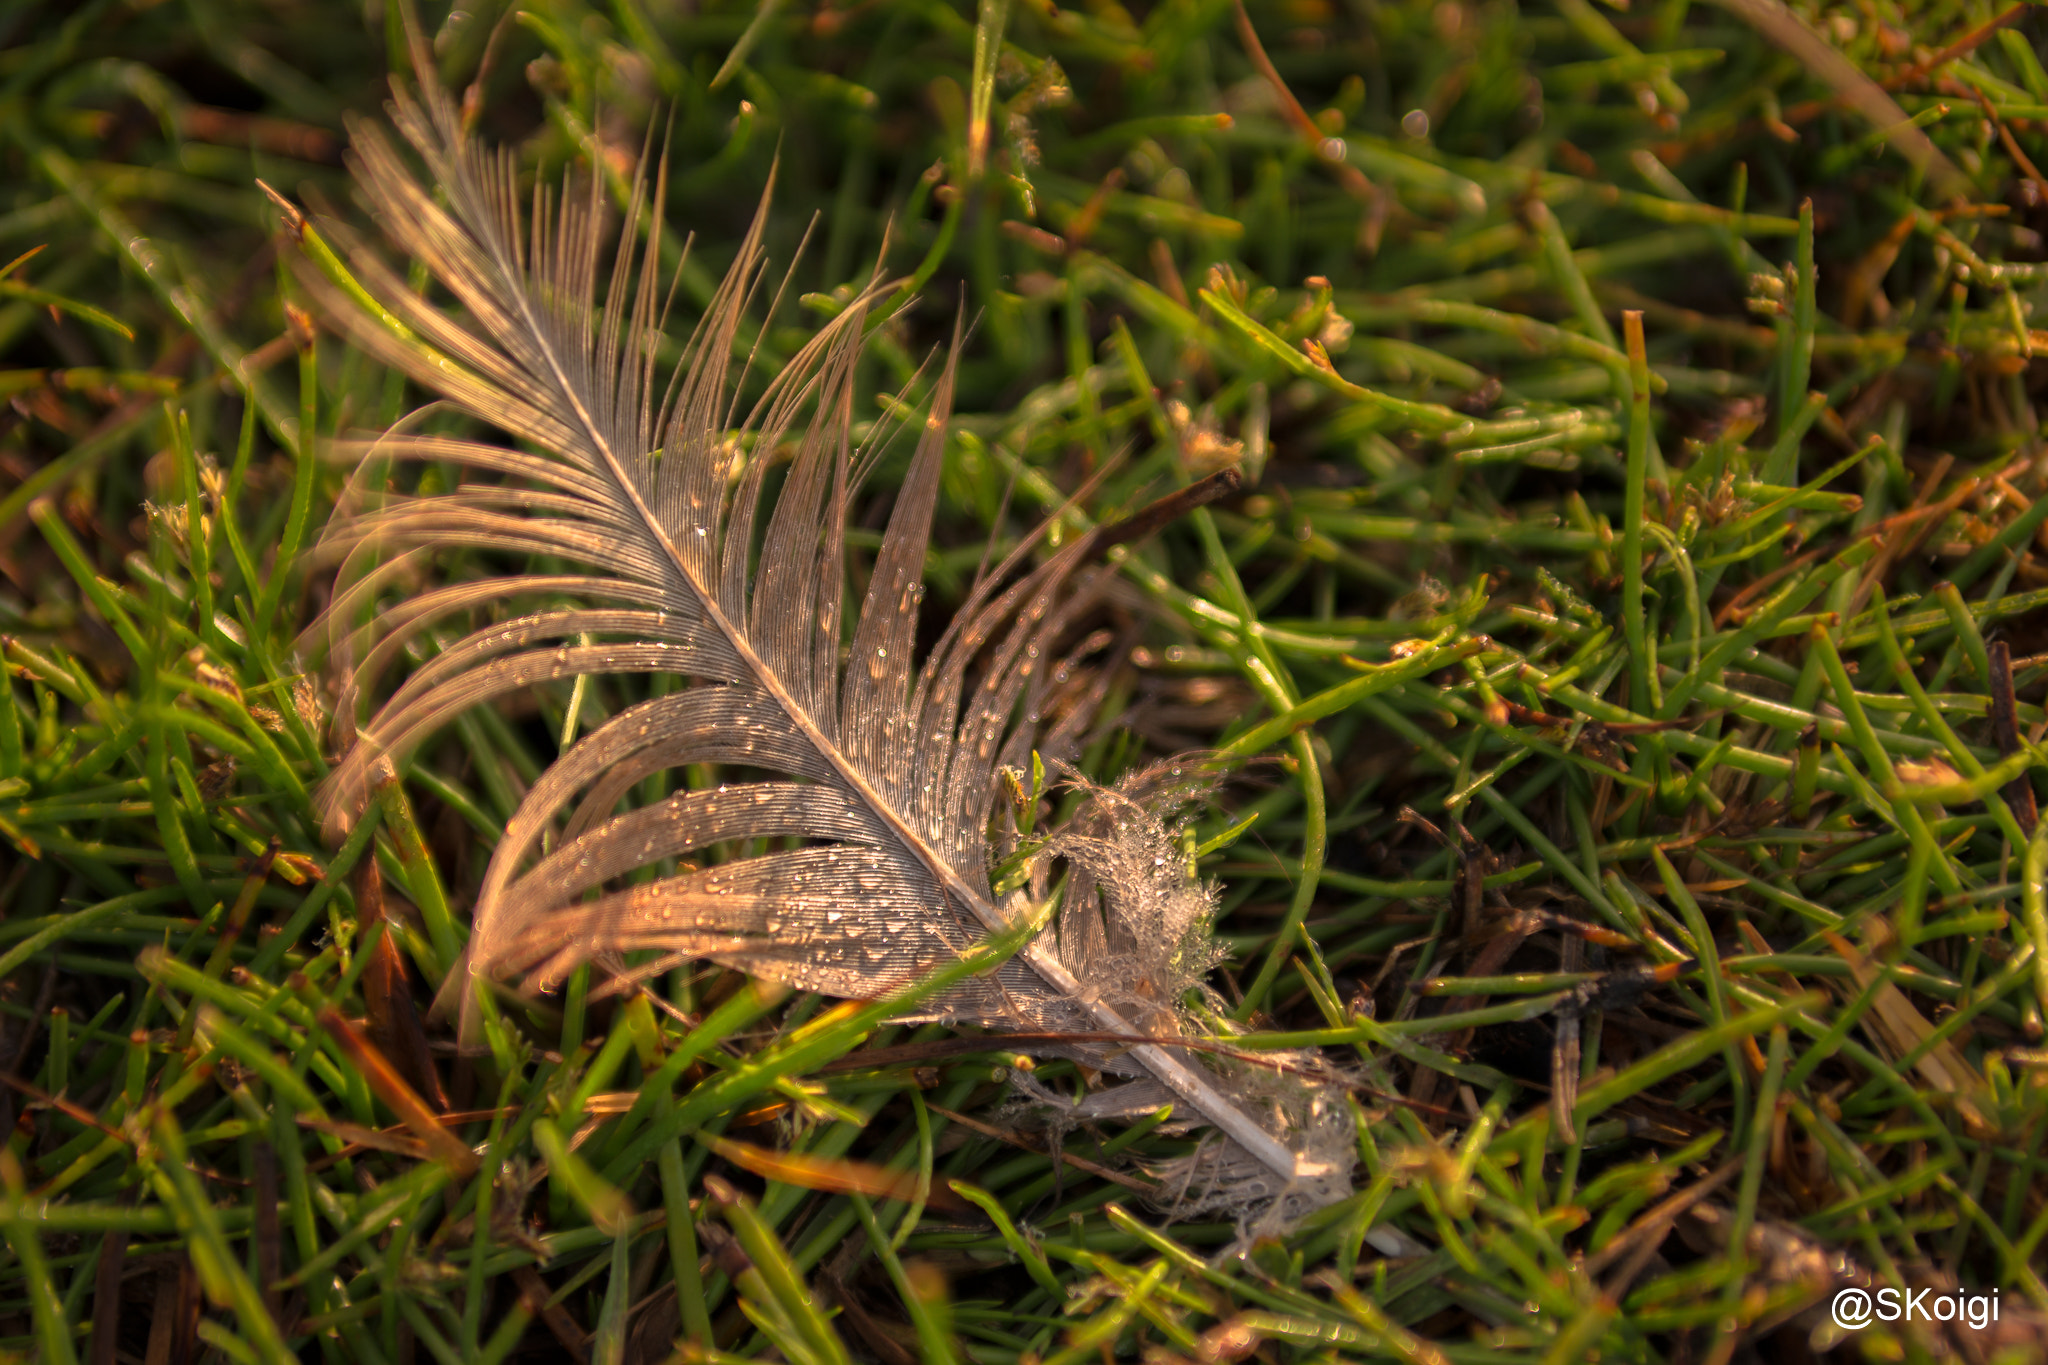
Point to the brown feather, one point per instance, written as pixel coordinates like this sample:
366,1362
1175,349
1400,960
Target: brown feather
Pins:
884,767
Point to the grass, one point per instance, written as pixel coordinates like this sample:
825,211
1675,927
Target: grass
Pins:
1634,627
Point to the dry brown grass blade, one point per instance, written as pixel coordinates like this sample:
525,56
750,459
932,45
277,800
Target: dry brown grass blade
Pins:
1961,47
2005,733
106,1297
244,906
1350,177
834,1175
1735,609
534,1296
1652,1225
1018,1139
873,1334
398,1141
1902,1031
1781,26
1868,272
163,1318
394,1016
390,1087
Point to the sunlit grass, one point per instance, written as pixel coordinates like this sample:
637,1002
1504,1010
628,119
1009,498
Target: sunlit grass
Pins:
1632,629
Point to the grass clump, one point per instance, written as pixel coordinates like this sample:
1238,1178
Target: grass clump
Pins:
1632,628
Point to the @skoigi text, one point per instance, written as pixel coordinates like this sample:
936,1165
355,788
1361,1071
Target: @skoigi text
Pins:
1855,1308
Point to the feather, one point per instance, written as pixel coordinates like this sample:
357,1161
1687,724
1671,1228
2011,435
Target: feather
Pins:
884,768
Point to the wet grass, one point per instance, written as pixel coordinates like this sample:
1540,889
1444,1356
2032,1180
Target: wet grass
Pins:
1634,623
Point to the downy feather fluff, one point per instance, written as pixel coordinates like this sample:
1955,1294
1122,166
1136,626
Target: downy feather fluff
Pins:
887,768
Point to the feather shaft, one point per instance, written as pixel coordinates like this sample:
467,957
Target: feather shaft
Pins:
887,770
